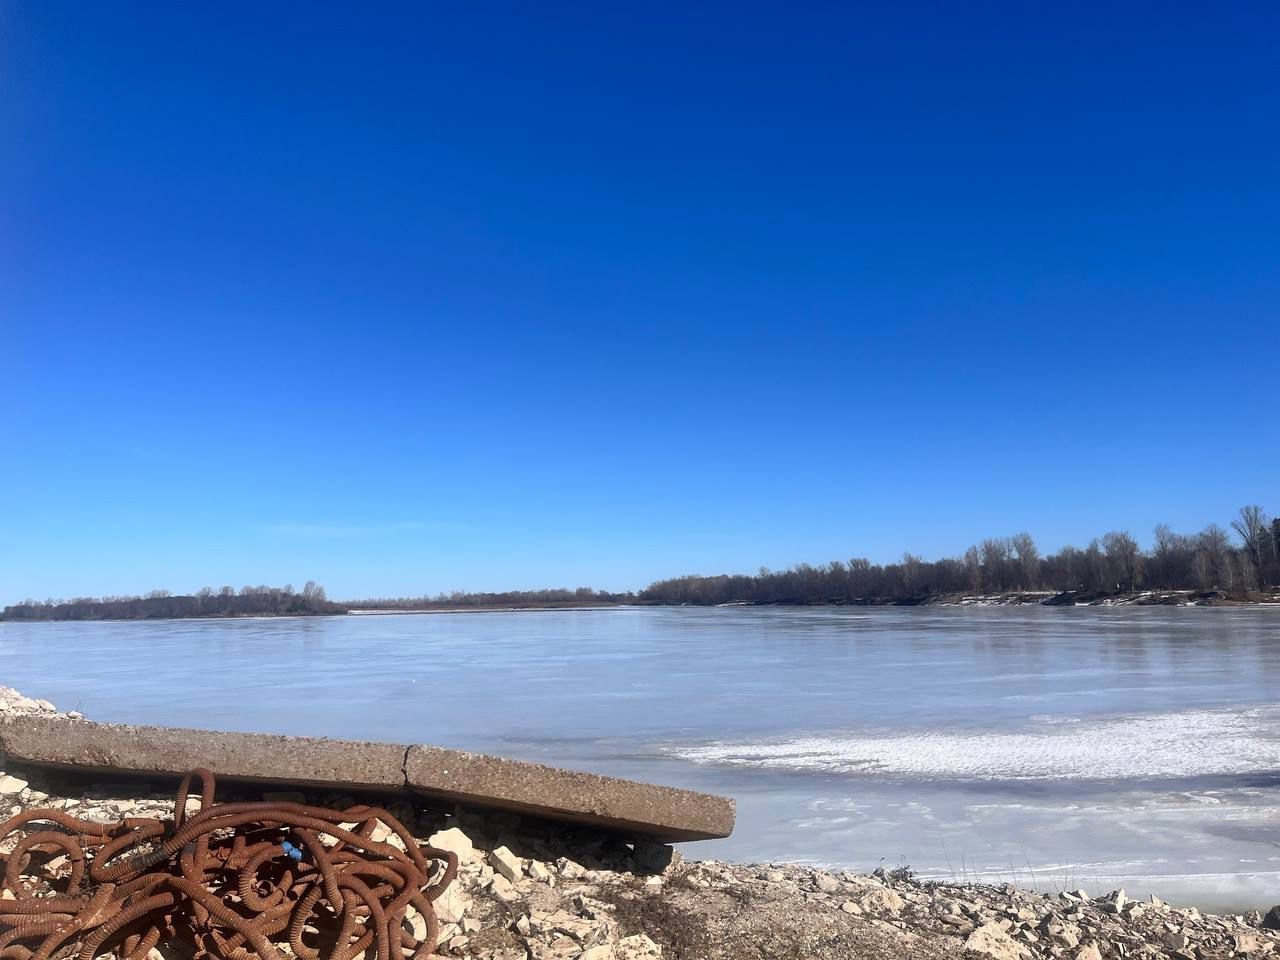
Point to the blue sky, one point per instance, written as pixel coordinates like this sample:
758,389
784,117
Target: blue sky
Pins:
484,297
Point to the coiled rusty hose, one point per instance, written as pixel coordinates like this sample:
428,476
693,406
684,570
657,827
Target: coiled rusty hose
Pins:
234,881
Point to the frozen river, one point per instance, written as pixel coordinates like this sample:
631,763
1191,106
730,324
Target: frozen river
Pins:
1057,747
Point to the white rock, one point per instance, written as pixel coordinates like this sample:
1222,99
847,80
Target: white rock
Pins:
1249,944
1090,952
507,863
603,951
539,872
566,923
826,883
570,869
850,907
501,888
11,785
455,841
874,898
990,939
56,864
452,905
1114,901
417,923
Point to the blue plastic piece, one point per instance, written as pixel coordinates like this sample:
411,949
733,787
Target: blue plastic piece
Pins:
294,853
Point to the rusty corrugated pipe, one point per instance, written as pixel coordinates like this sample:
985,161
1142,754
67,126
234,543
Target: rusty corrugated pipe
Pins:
234,881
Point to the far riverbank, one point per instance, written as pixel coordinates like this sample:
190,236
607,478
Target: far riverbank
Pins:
171,610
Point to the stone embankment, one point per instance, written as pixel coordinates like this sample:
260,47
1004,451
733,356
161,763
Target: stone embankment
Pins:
536,889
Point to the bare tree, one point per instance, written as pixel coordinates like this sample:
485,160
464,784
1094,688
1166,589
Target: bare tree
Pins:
1028,560
1202,569
995,564
1227,572
1123,558
1216,546
1250,526
973,569
1170,562
1096,570
911,566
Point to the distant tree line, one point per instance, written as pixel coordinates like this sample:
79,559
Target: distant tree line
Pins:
582,596
163,605
1238,563
1211,560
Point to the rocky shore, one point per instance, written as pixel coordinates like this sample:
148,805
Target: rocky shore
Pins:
537,890
1103,598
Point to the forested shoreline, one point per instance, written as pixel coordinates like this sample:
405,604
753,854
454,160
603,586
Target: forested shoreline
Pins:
258,601
460,600
1241,563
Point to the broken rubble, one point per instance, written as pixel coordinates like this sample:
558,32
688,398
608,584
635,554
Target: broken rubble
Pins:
992,940
10,785
506,863
538,871
455,841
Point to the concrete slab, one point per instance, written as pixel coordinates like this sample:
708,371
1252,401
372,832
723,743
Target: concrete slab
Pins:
172,751
626,806
642,809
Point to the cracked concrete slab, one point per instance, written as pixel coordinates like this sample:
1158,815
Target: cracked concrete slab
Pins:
254,757
626,806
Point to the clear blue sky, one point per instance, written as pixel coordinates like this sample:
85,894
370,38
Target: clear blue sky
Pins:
462,296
